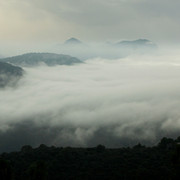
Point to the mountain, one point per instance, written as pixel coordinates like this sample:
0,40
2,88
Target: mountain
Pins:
34,59
73,41
85,50
9,74
139,43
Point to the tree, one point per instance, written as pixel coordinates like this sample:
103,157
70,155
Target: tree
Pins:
38,171
5,170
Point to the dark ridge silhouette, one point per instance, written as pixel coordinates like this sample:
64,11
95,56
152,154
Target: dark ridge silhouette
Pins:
53,163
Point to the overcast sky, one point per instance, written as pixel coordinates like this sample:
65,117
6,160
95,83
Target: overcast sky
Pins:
42,21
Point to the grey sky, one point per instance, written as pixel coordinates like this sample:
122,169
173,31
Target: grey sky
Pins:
89,20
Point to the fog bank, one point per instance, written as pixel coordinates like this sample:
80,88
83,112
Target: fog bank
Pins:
112,102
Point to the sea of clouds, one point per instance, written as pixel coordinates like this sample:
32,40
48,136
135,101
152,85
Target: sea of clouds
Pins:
116,103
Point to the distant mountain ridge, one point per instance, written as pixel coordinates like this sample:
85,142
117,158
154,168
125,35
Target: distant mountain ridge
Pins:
34,59
132,43
111,50
73,41
9,74
139,43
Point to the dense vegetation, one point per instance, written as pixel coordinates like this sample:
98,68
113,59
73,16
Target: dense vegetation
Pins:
54,163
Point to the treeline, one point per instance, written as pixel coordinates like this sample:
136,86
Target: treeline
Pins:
54,163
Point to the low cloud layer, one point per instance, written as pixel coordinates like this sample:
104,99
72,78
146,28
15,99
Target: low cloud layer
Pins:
112,102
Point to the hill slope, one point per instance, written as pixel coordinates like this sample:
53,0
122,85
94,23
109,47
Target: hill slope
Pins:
34,59
9,74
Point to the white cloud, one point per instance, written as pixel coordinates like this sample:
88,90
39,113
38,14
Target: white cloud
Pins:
135,99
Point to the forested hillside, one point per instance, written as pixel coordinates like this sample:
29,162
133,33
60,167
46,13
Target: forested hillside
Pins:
55,163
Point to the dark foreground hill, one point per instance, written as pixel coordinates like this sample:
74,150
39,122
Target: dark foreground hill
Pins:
34,59
9,74
54,163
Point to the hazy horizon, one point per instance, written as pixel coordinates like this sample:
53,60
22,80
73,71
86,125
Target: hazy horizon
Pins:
38,25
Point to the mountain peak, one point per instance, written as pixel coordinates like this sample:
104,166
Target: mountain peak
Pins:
73,41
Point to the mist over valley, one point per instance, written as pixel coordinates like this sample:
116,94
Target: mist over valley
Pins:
116,102
89,90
